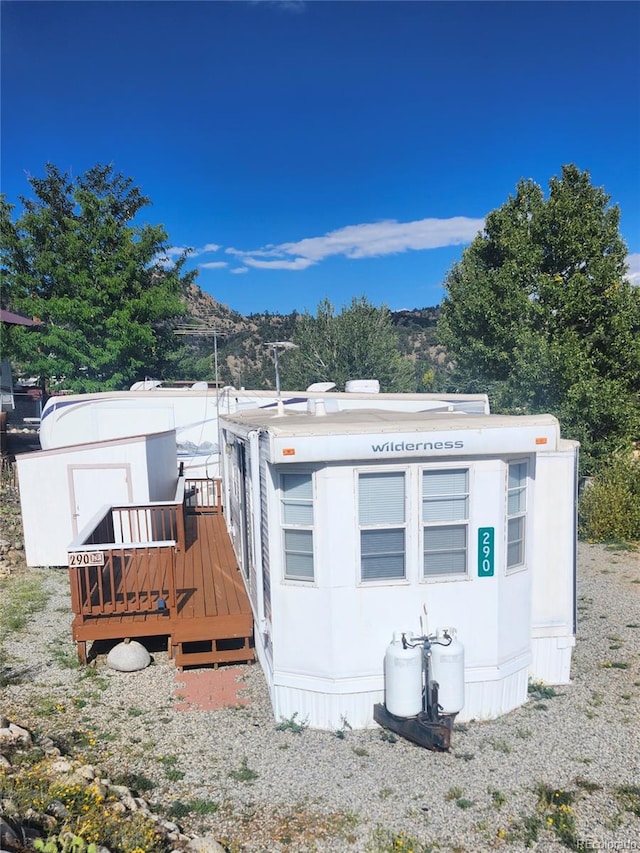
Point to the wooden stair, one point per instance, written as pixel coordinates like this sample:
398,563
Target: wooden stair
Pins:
205,642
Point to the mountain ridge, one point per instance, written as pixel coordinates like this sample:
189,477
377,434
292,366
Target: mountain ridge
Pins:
238,341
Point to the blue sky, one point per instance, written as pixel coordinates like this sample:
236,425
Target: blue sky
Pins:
325,149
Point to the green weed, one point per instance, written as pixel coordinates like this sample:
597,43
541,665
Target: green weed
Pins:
628,798
174,775
344,727
180,809
539,690
497,797
388,841
292,725
453,794
244,773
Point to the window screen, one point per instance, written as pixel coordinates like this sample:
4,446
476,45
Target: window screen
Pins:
445,499
382,525
516,513
297,523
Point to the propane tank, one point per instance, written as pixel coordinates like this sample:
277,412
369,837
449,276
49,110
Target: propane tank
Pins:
403,676
446,666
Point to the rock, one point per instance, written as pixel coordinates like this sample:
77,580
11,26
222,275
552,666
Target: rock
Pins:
47,745
9,836
128,656
19,734
57,809
120,791
87,772
205,844
14,734
98,789
62,766
13,557
129,803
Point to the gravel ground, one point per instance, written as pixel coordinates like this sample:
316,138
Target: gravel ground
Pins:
357,791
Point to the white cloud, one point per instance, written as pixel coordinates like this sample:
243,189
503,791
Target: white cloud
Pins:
177,251
367,240
282,5
239,270
633,262
295,264
213,265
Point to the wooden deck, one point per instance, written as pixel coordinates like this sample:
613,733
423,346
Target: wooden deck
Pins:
178,579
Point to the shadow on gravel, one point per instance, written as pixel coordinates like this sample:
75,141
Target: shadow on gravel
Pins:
18,674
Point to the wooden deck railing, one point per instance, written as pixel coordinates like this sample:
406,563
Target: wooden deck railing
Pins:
203,495
124,560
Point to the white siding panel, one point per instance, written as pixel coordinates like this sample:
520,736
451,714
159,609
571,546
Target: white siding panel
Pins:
487,698
552,659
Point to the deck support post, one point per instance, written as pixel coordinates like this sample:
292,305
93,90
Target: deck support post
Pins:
81,648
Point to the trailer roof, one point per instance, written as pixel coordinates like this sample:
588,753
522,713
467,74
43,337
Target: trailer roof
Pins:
364,421
386,435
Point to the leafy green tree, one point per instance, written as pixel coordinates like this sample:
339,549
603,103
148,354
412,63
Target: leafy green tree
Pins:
357,343
101,284
539,313
609,507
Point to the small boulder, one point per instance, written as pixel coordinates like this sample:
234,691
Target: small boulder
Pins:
204,844
129,656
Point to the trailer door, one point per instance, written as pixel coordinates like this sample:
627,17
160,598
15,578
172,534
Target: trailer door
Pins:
92,486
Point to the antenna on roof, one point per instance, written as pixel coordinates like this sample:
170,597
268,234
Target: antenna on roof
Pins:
275,346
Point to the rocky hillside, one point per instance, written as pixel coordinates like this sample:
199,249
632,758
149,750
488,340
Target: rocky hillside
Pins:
243,360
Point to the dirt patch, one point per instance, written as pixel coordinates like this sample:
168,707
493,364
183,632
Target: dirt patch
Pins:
209,689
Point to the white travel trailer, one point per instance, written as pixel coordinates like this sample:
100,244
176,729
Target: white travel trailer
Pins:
194,412
350,526
62,489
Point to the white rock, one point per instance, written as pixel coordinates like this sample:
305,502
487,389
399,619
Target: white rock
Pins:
86,771
62,765
205,844
128,656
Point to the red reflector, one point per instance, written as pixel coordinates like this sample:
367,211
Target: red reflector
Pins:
541,440
288,451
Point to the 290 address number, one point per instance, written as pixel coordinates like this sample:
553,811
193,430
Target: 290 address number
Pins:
86,558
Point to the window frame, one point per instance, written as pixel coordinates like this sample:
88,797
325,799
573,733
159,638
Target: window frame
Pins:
521,514
292,526
364,527
445,522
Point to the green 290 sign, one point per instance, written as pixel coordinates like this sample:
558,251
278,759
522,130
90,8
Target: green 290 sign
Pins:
486,537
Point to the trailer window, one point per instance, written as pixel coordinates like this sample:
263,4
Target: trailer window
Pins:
516,513
297,524
445,514
382,525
